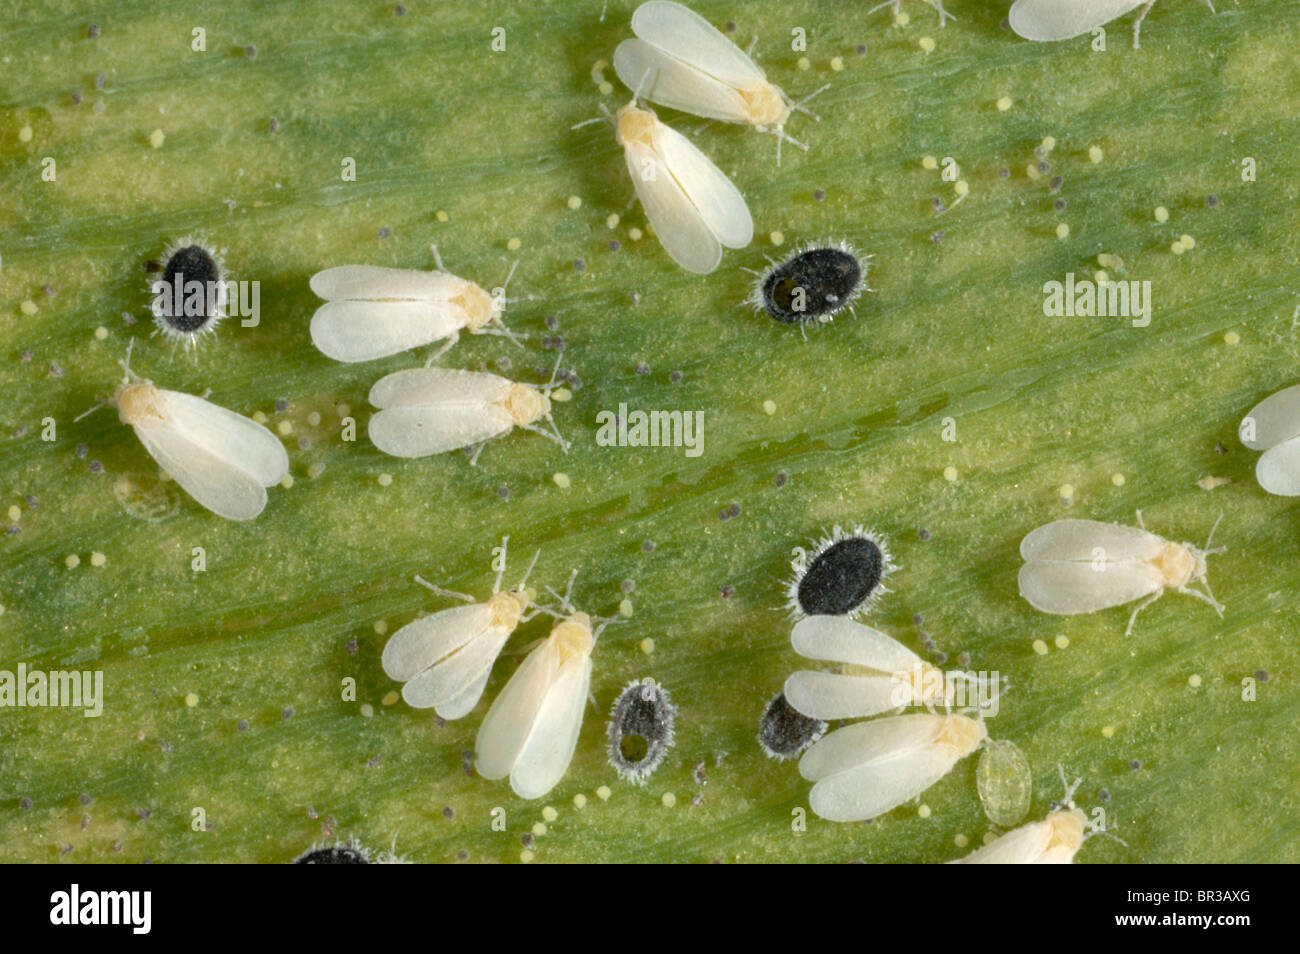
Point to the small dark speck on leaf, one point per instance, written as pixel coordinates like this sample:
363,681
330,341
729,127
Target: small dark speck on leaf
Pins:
1261,675
281,405
76,97
923,534
675,377
250,51
861,49
287,713
144,813
579,265
731,26
782,478
647,546
614,245
937,236
241,725
1211,201
1056,182
552,322
93,31
819,195
351,646
385,232
1059,205
273,125
96,467
726,592
503,492
1004,173
1103,795
100,79
1135,765
642,368
25,804
82,450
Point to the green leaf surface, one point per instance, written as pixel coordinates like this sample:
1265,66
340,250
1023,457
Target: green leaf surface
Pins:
468,147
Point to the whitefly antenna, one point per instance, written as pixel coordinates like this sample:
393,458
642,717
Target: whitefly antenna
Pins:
801,108
433,247
605,117
433,587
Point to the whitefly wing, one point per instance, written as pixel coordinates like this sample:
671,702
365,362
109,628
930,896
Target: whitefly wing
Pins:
1064,19
1079,566
434,410
1023,845
454,684
548,750
447,386
510,718
685,35
680,227
365,330
874,766
223,460
1273,420
840,639
825,695
716,197
661,78
1278,469
376,283
424,641
868,742
231,437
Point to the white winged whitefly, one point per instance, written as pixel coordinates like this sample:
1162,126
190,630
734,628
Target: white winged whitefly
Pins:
224,460
1053,841
531,729
883,673
372,312
1081,566
866,769
1273,426
1051,20
445,659
682,61
693,208
425,411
